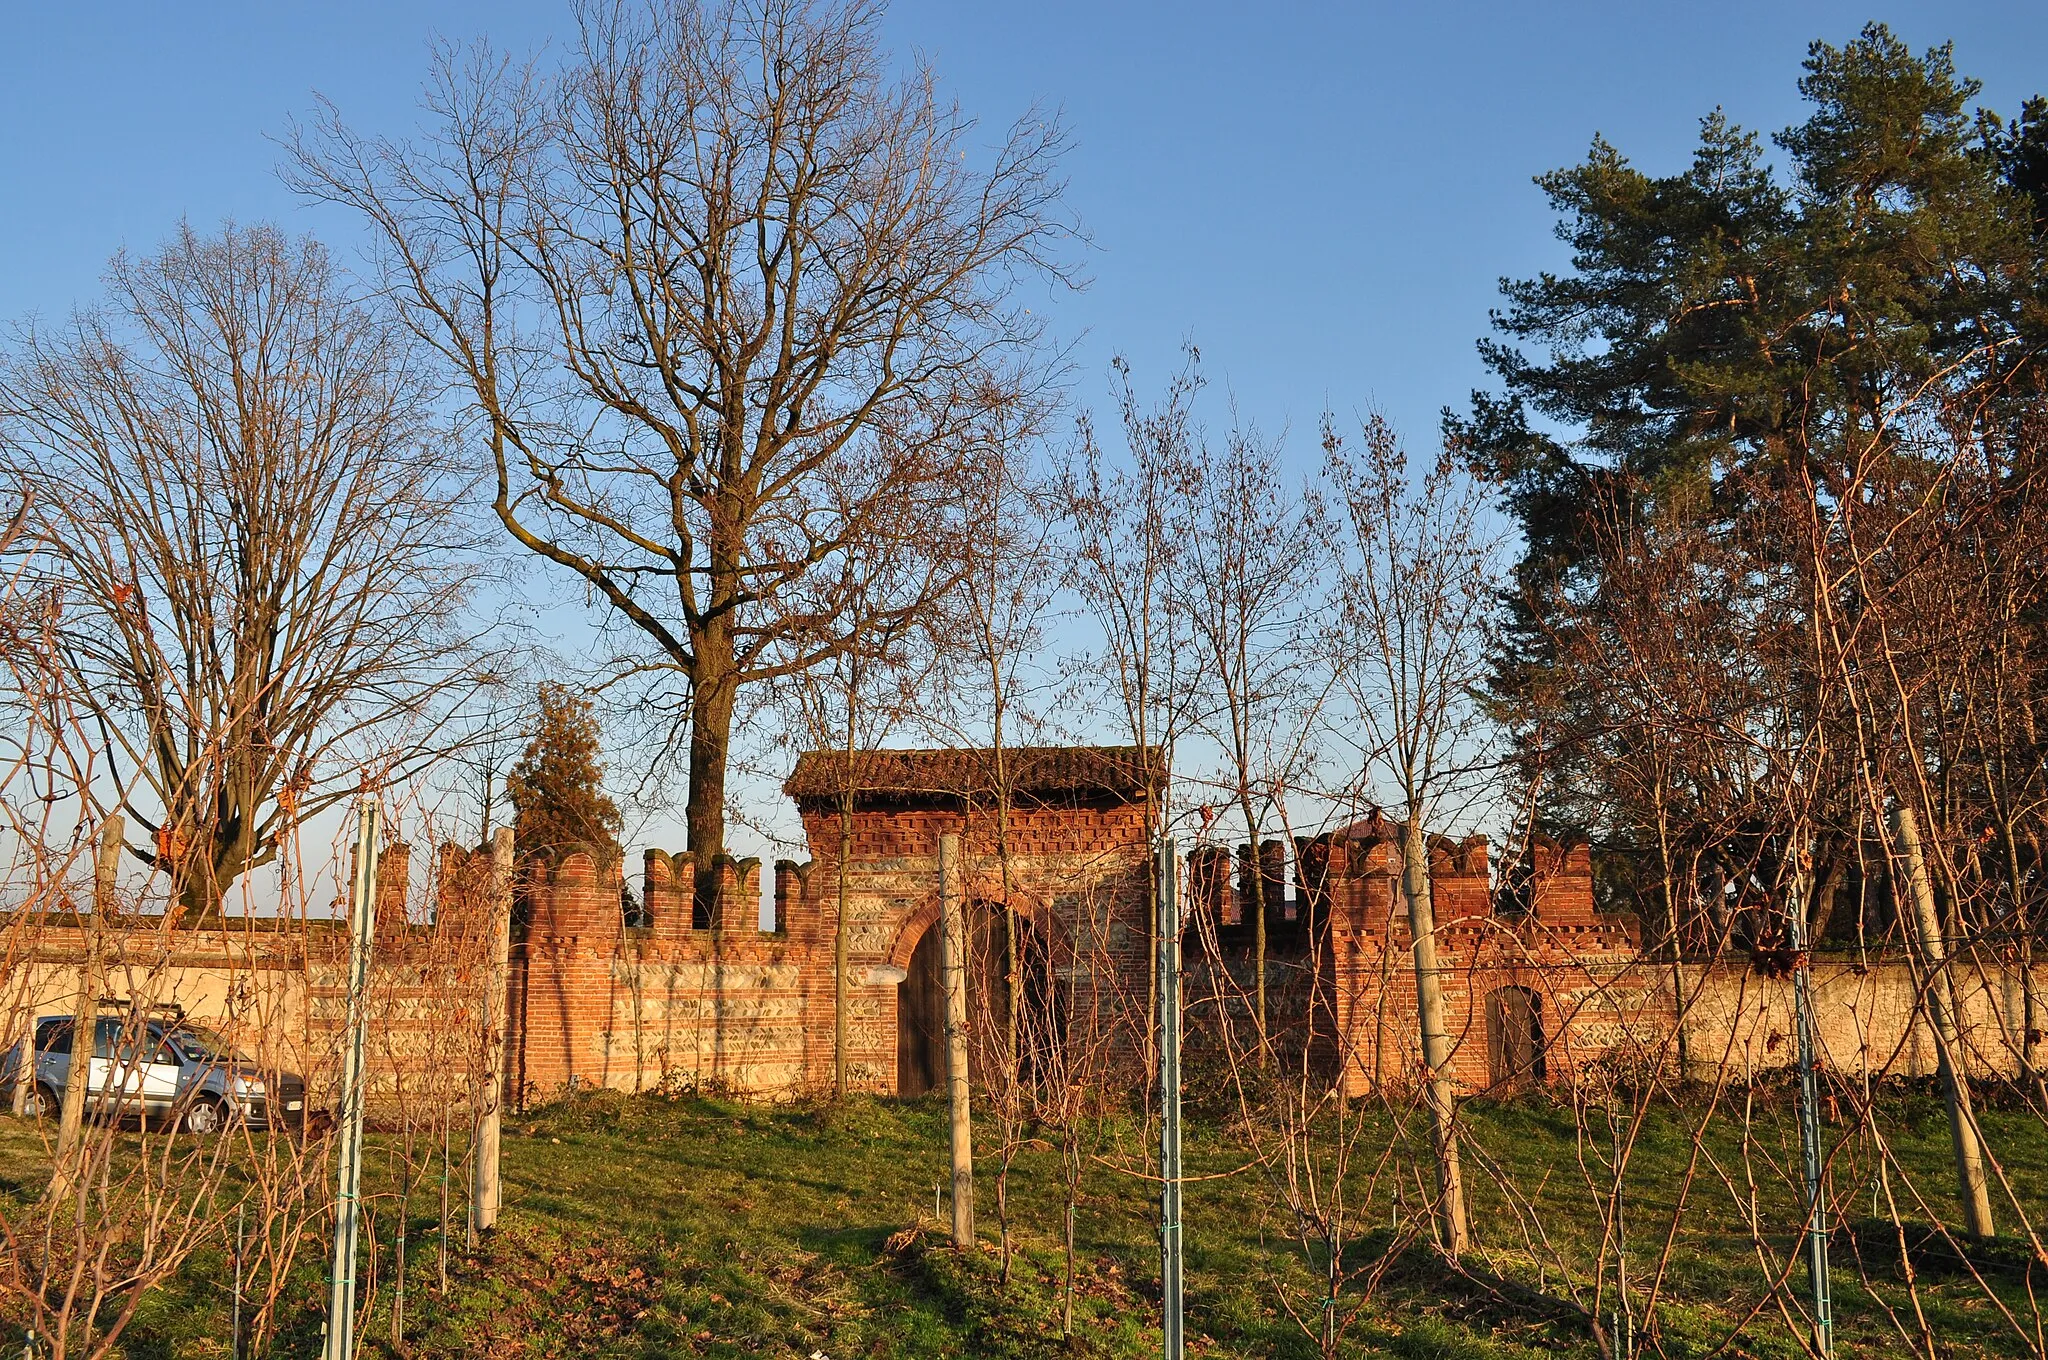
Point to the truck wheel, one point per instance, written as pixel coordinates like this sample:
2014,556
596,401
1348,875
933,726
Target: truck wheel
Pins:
45,1103
207,1116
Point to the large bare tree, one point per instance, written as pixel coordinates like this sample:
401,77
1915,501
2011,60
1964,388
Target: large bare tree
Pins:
239,491
717,267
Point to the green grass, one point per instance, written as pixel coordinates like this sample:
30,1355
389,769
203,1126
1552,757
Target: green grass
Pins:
642,1227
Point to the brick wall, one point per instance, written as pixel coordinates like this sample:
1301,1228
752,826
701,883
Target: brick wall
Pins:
596,1002
1341,967
722,1002
279,988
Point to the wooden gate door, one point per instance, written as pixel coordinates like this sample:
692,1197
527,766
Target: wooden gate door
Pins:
921,1020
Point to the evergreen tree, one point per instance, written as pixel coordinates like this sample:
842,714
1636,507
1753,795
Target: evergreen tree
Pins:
557,786
1739,360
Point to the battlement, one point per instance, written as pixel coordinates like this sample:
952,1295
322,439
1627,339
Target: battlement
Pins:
689,985
1352,879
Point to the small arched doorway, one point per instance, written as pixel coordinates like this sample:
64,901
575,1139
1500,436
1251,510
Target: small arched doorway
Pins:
1041,1005
921,1003
921,1020
1514,1037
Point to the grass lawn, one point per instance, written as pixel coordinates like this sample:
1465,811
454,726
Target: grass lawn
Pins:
643,1226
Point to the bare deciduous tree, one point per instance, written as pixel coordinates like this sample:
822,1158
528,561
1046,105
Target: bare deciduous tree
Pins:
241,499
1252,550
1412,626
1124,559
715,273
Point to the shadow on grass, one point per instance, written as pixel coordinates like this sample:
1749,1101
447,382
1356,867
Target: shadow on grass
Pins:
1887,1248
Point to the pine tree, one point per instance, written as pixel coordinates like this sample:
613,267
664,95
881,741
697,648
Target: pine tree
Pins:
557,786
1731,349
1776,440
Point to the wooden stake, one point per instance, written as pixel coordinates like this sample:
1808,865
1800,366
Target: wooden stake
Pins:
953,948
486,1189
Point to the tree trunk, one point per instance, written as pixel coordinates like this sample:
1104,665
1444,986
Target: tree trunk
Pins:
1253,870
441,1242
78,1076
221,854
1013,967
1013,977
711,709
1436,1042
1678,1005
398,1275
1067,1293
1823,909
1971,1188
1152,833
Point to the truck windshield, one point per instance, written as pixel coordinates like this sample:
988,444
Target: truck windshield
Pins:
203,1045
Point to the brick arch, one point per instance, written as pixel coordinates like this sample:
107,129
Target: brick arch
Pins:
1029,905
912,930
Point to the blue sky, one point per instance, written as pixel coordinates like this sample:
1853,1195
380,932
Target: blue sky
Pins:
1321,196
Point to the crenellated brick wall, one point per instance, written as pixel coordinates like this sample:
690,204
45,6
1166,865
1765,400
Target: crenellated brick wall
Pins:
598,1002
670,999
1578,970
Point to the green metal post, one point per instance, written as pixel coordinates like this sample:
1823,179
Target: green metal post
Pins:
1809,1129
1170,1261
341,1298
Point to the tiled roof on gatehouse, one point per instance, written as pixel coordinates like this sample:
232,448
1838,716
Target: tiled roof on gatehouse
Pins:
1034,771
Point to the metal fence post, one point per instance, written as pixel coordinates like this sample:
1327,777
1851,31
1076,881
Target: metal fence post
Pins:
1809,1128
1170,1261
341,1298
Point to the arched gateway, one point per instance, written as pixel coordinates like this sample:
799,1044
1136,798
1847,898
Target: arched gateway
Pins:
1072,864
726,997
1042,1008
921,1020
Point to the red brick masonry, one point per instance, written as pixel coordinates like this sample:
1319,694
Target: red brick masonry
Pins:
1540,986
727,1002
